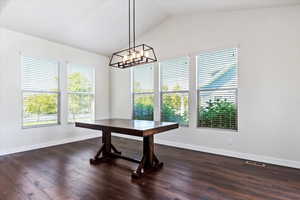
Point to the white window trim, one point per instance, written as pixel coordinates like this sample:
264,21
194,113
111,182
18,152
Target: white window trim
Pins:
161,92
176,92
142,93
195,84
93,93
221,89
193,90
38,92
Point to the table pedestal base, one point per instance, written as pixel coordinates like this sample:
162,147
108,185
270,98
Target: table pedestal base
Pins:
149,162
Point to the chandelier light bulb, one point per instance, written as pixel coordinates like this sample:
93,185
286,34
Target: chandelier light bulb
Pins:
125,58
138,55
134,55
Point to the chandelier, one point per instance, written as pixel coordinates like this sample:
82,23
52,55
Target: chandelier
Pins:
135,54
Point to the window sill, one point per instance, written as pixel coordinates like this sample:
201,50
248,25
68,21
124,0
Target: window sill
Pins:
41,126
83,120
183,126
218,130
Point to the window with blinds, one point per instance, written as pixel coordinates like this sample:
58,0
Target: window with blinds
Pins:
217,89
143,92
174,79
81,93
40,91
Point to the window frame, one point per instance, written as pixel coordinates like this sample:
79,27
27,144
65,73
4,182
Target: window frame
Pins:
161,92
198,91
93,93
175,92
237,110
58,92
141,93
133,94
193,90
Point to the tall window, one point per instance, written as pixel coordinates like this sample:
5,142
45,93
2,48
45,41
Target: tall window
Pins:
143,92
217,89
175,90
81,93
40,91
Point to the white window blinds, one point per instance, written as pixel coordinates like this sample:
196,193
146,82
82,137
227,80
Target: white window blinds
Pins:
175,90
143,92
40,89
40,75
217,69
175,74
217,89
143,78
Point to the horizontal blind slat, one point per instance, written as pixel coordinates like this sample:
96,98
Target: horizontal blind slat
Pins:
143,80
175,80
217,69
175,74
217,85
39,74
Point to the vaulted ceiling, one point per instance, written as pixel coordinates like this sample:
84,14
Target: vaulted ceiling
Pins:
101,26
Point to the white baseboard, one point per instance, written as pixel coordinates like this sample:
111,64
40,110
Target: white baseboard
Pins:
48,144
223,152
246,156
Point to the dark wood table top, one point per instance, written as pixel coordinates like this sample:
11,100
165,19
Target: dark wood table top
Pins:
129,127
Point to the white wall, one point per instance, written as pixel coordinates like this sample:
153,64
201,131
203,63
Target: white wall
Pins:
269,83
12,136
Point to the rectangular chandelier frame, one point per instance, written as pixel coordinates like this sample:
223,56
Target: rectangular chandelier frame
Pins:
144,54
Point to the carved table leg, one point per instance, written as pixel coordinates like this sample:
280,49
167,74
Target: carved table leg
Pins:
149,161
115,150
105,150
138,172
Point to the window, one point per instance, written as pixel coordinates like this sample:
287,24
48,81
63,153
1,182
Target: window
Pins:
40,91
175,90
81,93
217,89
143,92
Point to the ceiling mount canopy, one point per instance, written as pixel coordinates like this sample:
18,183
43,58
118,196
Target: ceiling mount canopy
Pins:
135,54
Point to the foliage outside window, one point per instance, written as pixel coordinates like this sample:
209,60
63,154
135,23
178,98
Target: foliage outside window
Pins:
217,89
40,91
143,92
175,90
81,91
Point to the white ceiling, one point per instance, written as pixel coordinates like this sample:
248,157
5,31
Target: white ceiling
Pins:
101,26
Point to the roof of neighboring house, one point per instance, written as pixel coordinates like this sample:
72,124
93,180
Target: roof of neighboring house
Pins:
225,78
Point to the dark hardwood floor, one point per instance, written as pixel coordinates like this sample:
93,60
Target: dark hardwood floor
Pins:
64,173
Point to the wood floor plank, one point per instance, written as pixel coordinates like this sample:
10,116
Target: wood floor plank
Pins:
64,173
